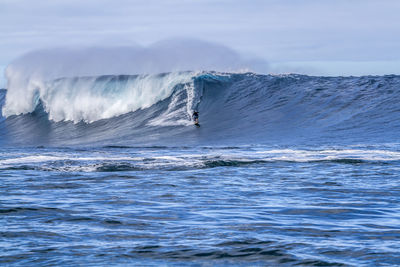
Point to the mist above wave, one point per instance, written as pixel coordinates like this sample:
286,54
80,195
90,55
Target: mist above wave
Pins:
30,75
163,56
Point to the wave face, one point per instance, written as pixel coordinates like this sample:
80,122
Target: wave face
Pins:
234,108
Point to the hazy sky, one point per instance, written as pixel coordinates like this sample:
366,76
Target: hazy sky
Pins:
328,37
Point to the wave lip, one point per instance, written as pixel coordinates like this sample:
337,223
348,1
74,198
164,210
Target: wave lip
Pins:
90,99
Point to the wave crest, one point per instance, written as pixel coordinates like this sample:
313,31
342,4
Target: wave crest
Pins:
90,99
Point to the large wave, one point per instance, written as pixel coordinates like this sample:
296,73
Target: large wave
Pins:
89,84
90,99
234,108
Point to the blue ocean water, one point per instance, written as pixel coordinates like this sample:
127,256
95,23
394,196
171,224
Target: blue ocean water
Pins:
285,170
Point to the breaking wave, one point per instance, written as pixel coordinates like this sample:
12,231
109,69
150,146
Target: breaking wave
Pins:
90,99
234,108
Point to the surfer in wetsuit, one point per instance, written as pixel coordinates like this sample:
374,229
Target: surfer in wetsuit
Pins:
195,117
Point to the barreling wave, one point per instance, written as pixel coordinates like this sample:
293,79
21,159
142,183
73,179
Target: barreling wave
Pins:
90,99
234,108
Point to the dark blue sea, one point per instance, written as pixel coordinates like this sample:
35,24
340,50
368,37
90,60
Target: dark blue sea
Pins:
285,170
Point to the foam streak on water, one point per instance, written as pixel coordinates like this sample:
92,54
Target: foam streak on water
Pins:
245,205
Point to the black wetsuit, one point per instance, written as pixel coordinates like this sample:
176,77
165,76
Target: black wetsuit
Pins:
195,117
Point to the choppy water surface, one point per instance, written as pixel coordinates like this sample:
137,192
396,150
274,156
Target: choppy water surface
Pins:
284,170
248,205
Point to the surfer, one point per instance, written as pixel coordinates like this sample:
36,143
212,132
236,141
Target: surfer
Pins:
195,117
